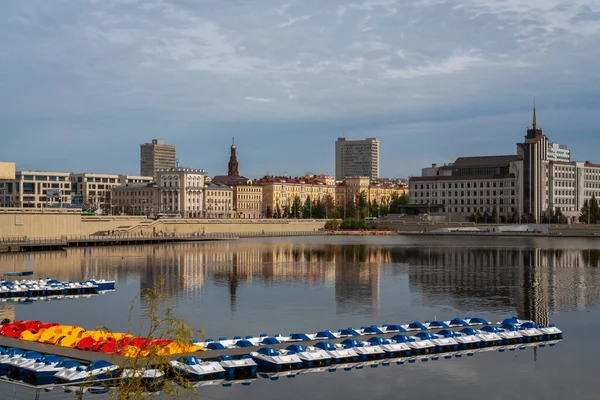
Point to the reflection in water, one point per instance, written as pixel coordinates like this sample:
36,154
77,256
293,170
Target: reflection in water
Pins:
534,282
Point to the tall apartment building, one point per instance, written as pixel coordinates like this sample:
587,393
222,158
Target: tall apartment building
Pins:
156,155
559,152
356,158
36,189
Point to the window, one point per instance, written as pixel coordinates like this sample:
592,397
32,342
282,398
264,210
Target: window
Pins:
41,178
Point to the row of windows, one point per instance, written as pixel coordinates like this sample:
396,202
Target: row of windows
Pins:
462,193
45,178
464,185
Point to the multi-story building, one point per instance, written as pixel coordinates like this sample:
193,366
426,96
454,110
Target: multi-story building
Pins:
156,155
135,179
526,187
181,192
350,189
356,158
36,189
472,185
218,200
279,192
247,197
559,152
95,190
140,198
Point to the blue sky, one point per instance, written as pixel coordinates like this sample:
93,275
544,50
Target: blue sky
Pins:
83,83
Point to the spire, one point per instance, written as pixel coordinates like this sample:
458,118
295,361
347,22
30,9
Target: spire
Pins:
534,124
233,163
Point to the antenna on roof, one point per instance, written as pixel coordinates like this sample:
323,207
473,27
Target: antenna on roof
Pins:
177,162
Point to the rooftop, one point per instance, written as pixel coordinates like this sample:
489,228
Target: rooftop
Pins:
137,185
482,162
230,180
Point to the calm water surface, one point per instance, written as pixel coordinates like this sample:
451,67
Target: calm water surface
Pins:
306,284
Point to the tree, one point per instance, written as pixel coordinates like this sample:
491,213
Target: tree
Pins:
318,209
584,217
494,215
297,207
269,213
307,209
277,211
329,206
374,209
558,216
486,217
477,216
594,210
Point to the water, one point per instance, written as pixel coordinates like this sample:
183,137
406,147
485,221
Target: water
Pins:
284,285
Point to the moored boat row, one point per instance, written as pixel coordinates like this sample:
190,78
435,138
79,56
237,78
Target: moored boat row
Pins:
456,332
29,288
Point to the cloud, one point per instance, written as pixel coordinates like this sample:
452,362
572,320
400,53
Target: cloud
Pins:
259,99
124,70
450,65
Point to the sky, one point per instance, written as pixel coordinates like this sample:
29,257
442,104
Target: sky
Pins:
84,82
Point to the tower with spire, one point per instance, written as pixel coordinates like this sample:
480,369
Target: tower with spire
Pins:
534,151
233,163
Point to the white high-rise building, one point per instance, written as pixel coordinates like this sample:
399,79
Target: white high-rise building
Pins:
558,152
356,158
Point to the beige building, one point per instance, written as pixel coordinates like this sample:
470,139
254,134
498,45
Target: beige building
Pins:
135,199
95,190
279,192
350,189
7,170
135,179
181,192
36,189
218,201
356,158
156,155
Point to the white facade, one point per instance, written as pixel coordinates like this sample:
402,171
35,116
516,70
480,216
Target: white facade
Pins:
36,189
463,196
559,152
181,191
571,184
356,158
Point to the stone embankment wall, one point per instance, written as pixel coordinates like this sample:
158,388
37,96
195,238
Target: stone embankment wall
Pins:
32,223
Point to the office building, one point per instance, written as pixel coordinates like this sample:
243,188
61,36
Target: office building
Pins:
559,152
526,187
181,192
247,197
156,155
472,185
356,158
36,189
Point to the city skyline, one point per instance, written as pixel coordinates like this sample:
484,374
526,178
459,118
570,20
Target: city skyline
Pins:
106,76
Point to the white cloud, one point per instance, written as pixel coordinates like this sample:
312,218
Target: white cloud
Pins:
450,65
259,99
291,21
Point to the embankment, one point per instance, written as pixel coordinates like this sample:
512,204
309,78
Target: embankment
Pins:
32,223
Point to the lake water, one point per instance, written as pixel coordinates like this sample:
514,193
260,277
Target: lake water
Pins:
306,284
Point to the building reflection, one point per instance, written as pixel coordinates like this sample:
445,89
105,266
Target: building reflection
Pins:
534,282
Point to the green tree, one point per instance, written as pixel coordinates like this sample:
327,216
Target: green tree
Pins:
329,206
307,209
559,216
594,210
277,213
297,207
584,217
318,209
477,216
494,215
485,217
269,212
